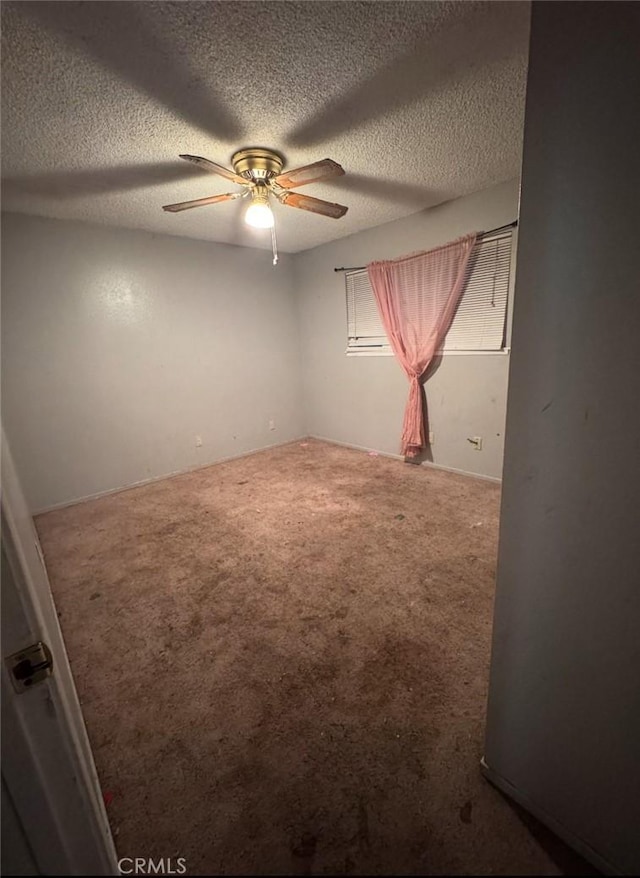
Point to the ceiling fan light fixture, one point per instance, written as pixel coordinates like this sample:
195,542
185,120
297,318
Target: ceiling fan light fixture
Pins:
259,171
259,213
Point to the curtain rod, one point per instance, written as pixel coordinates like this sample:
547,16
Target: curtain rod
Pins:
490,232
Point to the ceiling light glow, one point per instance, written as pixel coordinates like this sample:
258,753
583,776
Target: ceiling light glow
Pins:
259,214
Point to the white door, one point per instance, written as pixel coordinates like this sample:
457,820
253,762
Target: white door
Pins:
53,817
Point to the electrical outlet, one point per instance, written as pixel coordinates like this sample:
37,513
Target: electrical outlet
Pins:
198,441
432,437
476,441
272,424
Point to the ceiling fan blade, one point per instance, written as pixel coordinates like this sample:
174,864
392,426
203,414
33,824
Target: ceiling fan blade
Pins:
208,165
200,202
310,174
315,205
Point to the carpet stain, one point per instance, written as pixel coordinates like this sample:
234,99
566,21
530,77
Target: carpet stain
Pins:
278,679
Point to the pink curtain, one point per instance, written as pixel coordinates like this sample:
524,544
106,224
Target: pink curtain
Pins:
417,298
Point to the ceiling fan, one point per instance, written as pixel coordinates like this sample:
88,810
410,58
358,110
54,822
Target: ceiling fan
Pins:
259,172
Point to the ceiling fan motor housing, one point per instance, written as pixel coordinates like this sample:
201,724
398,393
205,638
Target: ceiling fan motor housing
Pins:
257,163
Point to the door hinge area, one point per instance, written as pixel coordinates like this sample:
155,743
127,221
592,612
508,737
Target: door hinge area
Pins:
30,666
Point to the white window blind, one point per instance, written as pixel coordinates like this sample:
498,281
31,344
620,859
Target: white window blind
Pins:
365,327
479,322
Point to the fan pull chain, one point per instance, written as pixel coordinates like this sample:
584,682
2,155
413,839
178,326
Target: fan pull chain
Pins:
274,245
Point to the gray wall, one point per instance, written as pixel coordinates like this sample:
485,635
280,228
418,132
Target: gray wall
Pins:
564,708
360,400
119,347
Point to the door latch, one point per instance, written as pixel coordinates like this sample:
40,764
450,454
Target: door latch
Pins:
30,666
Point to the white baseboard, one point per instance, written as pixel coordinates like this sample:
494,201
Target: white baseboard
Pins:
66,503
428,463
356,447
578,844
171,475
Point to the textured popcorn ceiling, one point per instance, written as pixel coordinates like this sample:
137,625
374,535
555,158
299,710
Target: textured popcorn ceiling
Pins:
420,102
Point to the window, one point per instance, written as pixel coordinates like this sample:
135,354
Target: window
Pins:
480,320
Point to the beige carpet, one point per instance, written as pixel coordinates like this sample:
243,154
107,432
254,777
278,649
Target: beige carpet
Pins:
282,662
